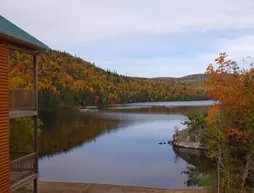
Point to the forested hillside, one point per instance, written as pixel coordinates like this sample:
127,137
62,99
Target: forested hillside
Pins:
196,79
65,80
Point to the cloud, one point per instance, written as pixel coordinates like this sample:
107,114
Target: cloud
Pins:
84,21
237,49
241,46
155,67
140,38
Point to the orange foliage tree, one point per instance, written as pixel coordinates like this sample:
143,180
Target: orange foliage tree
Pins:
231,121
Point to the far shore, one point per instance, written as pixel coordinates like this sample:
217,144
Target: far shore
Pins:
63,187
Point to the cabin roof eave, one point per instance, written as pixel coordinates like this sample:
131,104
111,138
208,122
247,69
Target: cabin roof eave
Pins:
17,37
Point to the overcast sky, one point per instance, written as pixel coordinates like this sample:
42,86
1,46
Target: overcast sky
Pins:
146,38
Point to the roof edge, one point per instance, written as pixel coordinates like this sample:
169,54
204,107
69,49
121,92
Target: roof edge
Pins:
42,46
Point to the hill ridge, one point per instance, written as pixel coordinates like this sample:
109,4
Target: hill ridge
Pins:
67,80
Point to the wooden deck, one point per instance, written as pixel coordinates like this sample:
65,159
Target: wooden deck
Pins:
22,113
22,169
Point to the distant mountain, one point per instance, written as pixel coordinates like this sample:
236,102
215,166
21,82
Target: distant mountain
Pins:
190,79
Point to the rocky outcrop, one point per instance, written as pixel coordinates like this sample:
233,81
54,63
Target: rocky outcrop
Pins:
186,139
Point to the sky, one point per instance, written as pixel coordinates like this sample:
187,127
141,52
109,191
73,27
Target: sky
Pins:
144,38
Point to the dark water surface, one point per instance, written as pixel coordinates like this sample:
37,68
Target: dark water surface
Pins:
120,146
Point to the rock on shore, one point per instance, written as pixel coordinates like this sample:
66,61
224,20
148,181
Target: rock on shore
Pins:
185,139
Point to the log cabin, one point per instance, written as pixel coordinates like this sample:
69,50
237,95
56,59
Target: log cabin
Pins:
15,171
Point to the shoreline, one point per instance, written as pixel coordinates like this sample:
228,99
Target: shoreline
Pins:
78,107
72,187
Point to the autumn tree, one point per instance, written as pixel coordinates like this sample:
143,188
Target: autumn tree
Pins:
231,121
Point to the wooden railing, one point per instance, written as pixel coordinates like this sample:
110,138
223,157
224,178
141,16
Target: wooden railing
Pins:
22,167
21,99
16,155
25,163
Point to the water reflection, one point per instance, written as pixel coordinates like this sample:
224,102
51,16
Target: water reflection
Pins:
118,147
200,170
157,109
169,104
64,130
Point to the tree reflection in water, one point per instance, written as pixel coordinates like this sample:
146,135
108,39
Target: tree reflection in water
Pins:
200,170
63,131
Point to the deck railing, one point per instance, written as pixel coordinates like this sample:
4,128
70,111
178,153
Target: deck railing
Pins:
21,99
22,168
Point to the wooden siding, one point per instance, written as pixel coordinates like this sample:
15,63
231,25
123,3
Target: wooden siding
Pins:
4,121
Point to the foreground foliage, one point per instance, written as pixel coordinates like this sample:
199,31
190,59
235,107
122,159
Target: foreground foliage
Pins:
227,131
230,132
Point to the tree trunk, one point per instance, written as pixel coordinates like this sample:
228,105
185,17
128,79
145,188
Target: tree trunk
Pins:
228,181
218,176
218,169
245,173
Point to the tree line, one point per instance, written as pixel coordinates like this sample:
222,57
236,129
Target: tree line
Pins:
65,80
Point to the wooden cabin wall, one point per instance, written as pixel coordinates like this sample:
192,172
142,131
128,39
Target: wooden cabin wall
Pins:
4,121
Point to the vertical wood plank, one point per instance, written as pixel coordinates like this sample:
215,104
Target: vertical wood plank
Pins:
4,121
35,71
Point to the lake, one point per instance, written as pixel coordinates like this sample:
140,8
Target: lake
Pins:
121,146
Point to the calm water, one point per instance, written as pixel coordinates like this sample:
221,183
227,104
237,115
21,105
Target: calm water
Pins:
120,146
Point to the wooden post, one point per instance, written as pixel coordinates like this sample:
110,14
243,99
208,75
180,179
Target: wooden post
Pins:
4,121
35,85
